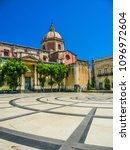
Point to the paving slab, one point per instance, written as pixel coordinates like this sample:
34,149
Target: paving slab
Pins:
26,102
69,109
12,112
41,106
100,132
93,105
43,124
7,145
104,112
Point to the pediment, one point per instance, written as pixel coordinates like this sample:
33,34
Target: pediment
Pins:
30,58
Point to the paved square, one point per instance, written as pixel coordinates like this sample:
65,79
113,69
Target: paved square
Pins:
56,121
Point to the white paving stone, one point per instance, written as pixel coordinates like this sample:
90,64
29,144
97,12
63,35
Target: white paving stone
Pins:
104,112
12,112
43,124
94,105
100,133
69,109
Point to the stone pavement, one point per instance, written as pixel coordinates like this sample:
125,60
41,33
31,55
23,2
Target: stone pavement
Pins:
56,121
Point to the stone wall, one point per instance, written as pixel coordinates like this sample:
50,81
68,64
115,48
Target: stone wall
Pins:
79,74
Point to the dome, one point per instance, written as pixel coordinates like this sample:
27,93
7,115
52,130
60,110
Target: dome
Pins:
52,34
52,40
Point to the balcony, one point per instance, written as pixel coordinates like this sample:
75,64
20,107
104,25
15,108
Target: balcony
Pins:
105,74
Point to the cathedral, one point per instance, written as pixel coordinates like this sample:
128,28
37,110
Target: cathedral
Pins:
51,51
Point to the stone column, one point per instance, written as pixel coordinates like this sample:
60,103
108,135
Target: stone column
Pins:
22,83
38,83
35,77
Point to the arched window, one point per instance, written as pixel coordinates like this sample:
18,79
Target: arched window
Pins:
6,53
59,46
44,58
43,46
67,57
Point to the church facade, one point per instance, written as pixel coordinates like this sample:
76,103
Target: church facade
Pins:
51,51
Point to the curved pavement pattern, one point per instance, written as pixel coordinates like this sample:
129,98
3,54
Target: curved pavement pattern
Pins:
56,121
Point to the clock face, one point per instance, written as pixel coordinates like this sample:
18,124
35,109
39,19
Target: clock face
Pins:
67,57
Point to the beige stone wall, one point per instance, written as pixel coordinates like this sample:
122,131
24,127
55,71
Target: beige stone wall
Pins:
83,74
69,83
103,68
78,75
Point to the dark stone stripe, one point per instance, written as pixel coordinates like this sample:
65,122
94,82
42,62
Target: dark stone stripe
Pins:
80,133
30,140
12,102
80,146
46,102
92,107
62,113
58,99
14,117
104,117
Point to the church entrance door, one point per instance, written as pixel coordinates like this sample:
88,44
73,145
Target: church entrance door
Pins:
27,83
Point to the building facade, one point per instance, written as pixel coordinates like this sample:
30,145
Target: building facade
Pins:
101,69
51,51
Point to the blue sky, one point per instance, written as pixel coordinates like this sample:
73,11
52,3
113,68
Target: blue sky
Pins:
85,25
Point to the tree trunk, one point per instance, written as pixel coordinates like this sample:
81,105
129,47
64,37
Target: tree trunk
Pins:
59,86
